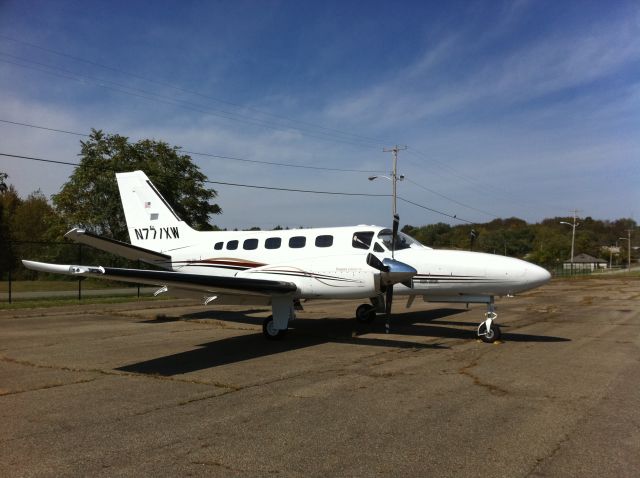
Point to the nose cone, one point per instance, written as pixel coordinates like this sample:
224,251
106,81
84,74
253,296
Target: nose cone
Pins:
397,271
536,276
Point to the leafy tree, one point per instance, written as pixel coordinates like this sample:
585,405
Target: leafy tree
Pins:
90,197
34,222
3,184
9,201
432,235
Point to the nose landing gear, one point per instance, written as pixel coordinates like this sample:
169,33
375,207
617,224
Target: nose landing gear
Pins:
488,331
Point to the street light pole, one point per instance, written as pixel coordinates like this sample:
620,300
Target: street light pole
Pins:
573,234
628,239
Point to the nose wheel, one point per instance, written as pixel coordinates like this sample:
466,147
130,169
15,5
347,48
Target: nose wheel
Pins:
488,331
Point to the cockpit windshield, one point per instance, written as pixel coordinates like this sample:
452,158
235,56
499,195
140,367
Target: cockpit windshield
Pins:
402,240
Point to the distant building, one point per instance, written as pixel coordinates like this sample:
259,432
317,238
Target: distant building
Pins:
583,262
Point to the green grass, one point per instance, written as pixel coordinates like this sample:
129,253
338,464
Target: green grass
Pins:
66,301
54,285
634,274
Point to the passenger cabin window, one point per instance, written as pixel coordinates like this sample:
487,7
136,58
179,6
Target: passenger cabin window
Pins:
296,242
362,240
232,245
250,244
218,246
324,241
273,243
377,247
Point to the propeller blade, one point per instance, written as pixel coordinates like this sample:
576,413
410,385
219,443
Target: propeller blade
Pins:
396,223
387,307
376,263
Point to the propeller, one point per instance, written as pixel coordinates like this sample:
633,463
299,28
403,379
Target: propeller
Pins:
394,235
387,308
389,296
392,271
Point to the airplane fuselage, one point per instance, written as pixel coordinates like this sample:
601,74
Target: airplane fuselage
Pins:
331,262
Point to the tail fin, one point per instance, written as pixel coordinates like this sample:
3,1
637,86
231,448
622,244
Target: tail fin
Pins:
151,221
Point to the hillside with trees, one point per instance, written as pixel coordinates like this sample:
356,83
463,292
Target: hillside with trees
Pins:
547,243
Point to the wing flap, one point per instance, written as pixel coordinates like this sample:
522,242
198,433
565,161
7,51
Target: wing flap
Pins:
205,283
117,247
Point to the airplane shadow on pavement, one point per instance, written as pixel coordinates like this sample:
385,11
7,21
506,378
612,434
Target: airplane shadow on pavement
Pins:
311,332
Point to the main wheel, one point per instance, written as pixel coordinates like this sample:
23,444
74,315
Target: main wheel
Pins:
494,333
365,313
269,330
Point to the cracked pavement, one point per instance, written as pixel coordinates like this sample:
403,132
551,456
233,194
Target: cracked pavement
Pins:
175,388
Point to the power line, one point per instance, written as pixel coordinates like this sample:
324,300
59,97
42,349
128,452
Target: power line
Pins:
330,134
262,162
452,216
310,191
450,199
185,90
273,163
151,96
307,191
478,186
211,155
40,159
43,127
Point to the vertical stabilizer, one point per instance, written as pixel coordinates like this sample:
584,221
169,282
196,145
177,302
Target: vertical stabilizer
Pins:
151,221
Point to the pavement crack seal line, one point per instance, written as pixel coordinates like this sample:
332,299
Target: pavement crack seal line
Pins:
218,464
45,387
232,388
493,389
570,431
540,460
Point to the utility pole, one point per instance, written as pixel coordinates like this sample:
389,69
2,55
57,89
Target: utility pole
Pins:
629,249
573,234
394,174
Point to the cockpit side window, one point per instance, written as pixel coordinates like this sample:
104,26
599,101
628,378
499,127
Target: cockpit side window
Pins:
402,240
362,240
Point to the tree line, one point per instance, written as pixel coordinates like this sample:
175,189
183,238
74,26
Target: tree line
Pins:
89,199
547,243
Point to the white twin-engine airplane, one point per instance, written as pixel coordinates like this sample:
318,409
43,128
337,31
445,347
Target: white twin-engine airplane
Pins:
281,268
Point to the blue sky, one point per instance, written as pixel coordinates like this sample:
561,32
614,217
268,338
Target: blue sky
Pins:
524,108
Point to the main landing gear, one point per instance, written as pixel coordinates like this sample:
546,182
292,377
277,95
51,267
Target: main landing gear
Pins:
365,313
275,326
269,329
488,331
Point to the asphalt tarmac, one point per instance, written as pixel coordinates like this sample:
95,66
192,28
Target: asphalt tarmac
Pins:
117,390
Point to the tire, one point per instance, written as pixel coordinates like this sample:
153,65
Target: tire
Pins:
270,332
493,334
365,313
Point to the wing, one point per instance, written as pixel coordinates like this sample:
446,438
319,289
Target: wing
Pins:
208,284
119,248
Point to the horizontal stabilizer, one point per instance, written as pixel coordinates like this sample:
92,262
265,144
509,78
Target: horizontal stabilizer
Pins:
119,248
197,282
